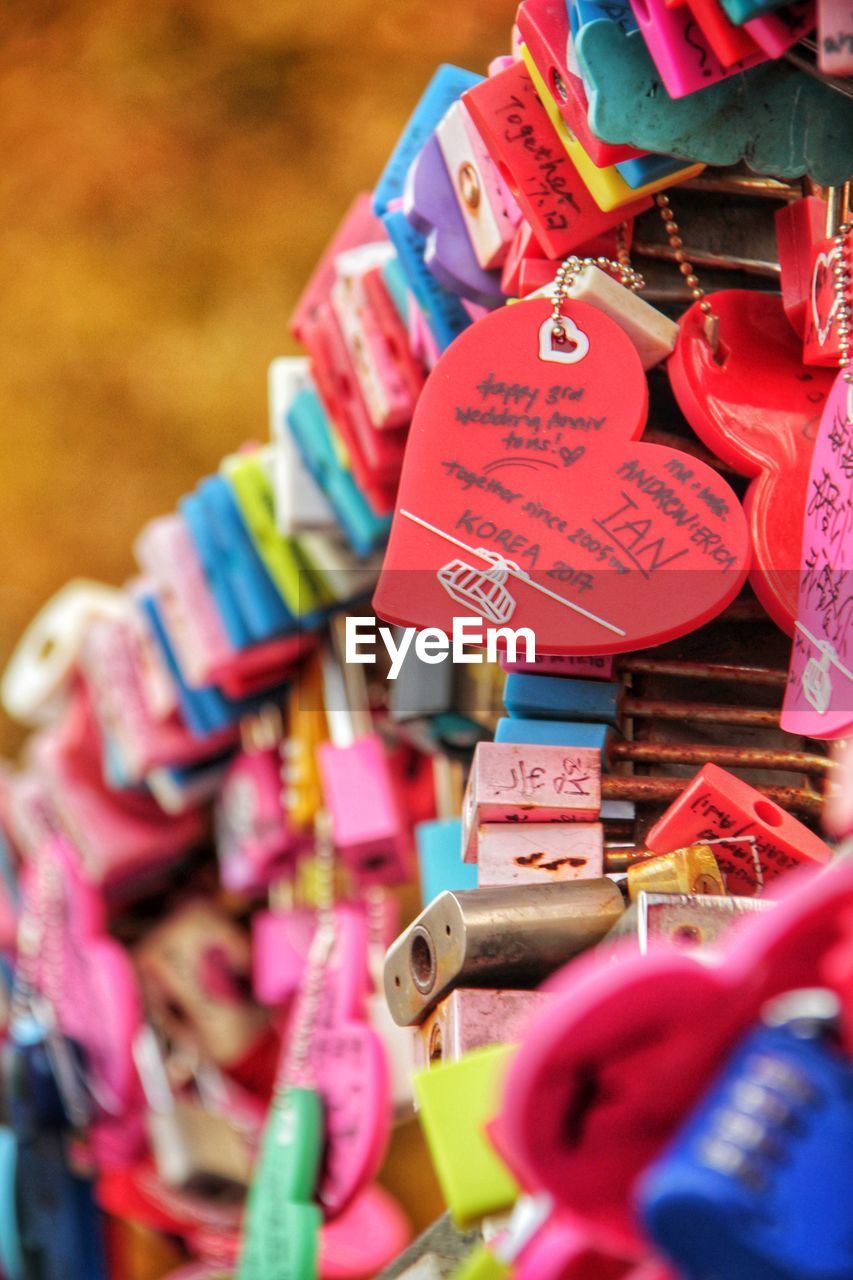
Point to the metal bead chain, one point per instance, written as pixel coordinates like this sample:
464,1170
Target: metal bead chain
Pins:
318,957
691,279
569,270
843,279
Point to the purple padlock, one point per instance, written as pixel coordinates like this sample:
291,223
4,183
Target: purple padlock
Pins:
430,204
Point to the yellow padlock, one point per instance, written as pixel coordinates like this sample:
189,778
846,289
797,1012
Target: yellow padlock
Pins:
455,1102
607,187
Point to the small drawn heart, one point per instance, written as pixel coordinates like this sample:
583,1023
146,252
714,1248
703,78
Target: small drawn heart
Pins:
820,275
525,494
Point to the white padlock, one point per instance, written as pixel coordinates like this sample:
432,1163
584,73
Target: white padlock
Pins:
299,502
39,672
652,333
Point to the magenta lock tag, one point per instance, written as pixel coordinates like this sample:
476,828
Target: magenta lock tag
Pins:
819,696
253,839
280,945
112,662
118,834
566,1249
681,53
617,1050
347,1065
88,979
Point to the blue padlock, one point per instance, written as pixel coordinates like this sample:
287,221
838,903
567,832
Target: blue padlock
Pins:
206,542
446,86
535,697
11,1259
758,1183
205,711
311,430
648,168
260,603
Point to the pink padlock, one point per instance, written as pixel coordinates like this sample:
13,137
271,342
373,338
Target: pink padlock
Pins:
112,662
368,827
778,32
360,226
384,310
753,839
387,394
254,840
618,1051
520,783
281,941
345,1063
529,155
88,980
167,554
682,55
544,27
121,836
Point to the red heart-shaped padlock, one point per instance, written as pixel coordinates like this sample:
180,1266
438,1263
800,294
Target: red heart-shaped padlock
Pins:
757,406
526,496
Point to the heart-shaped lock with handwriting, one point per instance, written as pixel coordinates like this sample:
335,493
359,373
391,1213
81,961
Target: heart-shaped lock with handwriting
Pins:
758,408
526,495
618,1055
819,696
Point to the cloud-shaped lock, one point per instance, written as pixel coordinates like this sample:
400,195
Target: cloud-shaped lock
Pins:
526,496
776,118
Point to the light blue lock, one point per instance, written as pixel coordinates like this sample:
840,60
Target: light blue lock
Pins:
440,865
262,607
312,432
535,697
206,543
208,710
446,86
11,1261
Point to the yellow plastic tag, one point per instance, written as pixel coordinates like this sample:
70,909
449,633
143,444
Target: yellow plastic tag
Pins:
607,187
455,1102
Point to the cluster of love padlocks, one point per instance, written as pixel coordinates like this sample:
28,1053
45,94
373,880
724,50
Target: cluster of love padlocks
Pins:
201,1045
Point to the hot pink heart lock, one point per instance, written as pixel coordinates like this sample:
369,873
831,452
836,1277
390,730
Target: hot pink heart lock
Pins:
89,980
526,495
365,1237
348,1067
819,695
630,1043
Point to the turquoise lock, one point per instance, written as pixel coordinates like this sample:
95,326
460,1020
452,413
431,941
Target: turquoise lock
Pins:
741,11
778,119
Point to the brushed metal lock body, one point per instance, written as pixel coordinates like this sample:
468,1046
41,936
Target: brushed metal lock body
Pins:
503,936
687,920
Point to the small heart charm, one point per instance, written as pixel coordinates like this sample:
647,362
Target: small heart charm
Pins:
573,348
822,282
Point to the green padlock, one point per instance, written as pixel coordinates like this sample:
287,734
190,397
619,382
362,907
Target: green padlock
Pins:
455,1102
251,485
483,1265
281,1228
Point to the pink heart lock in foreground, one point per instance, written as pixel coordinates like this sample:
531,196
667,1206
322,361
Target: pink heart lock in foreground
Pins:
347,1066
630,1042
819,696
89,980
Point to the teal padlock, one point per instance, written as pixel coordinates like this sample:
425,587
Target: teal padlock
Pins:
776,118
282,1225
741,11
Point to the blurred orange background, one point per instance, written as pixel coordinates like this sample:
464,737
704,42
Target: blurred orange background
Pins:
171,171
